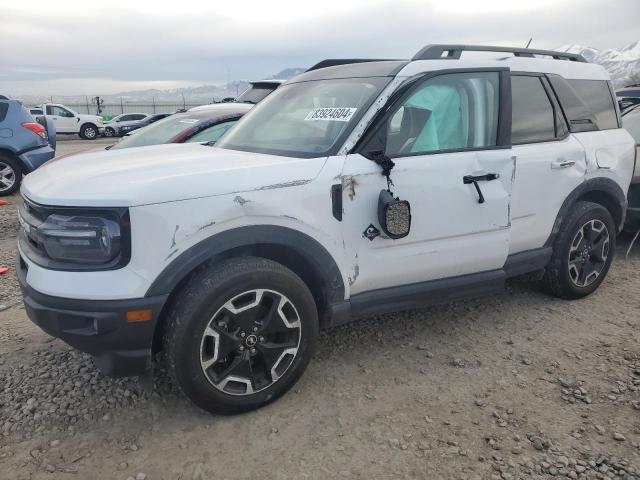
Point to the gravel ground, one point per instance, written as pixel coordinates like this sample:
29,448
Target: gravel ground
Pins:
521,385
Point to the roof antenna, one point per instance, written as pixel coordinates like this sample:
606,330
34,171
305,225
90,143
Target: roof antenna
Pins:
529,42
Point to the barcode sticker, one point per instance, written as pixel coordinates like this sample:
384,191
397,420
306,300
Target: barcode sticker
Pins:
334,114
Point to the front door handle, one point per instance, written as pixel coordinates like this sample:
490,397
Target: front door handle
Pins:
562,164
487,177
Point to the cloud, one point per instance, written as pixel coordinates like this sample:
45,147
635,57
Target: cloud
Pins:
65,51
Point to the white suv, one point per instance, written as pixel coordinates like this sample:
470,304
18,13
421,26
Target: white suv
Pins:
352,190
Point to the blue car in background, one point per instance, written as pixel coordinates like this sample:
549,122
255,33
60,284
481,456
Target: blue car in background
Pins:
25,144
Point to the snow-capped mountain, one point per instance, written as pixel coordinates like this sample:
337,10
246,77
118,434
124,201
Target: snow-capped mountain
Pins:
623,65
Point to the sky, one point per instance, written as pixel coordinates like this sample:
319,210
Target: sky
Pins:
70,47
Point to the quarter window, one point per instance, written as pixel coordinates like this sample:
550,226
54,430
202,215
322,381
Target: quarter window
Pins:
596,95
448,112
532,118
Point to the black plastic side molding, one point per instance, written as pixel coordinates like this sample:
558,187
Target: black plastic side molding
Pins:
336,201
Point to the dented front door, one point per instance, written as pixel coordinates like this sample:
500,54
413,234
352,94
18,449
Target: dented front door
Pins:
452,233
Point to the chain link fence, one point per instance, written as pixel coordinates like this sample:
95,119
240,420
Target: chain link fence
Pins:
116,108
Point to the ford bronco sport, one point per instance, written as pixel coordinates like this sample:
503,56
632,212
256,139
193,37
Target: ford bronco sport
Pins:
351,190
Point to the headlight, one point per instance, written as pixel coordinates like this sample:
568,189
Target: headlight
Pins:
83,239
68,238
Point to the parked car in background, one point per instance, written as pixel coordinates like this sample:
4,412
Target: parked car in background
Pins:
628,96
631,121
25,144
258,90
68,121
205,125
129,127
112,127
36,111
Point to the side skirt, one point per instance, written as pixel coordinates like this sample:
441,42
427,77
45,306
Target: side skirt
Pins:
434,292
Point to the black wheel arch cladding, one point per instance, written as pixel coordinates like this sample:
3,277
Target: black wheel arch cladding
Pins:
600,190
295,250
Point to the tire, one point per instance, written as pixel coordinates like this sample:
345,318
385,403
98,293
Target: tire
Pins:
88,131
109,132
10,175
209,347
582,252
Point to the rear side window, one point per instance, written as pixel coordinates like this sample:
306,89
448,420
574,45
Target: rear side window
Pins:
4,108
597,97
532,112
588,104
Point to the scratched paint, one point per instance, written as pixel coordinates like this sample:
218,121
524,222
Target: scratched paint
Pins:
241,200
293,183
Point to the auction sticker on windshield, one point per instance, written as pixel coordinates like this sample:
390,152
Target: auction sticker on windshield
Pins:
335,114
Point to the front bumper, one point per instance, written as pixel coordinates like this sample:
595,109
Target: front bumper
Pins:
35,158
97,327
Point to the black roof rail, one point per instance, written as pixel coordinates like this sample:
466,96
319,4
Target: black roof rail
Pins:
453,52
332,62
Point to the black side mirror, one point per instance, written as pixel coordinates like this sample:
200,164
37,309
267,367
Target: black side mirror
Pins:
394,215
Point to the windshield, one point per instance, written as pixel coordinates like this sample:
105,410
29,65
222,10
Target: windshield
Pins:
254,94
162,131
307,119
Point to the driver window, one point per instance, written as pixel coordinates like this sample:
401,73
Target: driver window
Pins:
449,112
61,112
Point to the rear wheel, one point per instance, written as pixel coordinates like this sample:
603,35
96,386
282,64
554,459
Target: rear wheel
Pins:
240,334
582,252
10,176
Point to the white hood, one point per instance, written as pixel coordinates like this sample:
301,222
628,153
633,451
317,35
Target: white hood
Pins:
161,173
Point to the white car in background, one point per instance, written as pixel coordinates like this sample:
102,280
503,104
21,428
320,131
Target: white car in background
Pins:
68,121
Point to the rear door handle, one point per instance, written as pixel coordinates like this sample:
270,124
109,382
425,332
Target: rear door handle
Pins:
562,164
487,177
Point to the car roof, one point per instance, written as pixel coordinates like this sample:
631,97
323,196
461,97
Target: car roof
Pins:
223,108
212,112
368,68
444,57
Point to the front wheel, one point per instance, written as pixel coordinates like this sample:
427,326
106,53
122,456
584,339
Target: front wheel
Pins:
89,132
109,132
240,334
582,252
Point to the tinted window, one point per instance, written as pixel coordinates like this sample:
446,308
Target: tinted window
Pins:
447,112
162,131
212,134
255,93
532,118
578,115
628,93
631,121
597,97
4,108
